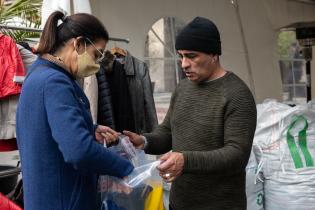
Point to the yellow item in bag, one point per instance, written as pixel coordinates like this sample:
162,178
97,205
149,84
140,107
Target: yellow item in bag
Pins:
154,201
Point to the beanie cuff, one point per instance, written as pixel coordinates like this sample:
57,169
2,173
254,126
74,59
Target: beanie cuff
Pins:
199,44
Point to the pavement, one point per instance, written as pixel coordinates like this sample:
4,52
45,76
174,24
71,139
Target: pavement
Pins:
162,101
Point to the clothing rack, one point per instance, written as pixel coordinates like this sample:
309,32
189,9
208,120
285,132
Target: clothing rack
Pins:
40,30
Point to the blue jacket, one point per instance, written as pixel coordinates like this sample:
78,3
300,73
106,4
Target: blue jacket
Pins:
60,157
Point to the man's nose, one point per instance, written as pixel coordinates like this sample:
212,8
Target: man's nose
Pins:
185,63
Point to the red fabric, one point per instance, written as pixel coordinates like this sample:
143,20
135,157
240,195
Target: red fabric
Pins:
8,145
12,70
6,204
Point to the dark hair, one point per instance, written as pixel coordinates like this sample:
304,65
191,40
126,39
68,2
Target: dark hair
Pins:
81,24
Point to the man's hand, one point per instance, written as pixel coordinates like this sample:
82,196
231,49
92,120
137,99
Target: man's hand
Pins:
104,134
171,166
135,139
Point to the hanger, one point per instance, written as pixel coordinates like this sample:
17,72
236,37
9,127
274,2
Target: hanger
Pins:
117,51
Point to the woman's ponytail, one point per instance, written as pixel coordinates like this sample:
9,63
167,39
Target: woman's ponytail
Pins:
49,37
53,36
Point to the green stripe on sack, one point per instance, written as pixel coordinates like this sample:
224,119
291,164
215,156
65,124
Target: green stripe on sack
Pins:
302,143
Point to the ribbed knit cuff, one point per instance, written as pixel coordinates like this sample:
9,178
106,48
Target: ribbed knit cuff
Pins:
186,155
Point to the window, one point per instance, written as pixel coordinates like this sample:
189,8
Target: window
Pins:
292,67
160,56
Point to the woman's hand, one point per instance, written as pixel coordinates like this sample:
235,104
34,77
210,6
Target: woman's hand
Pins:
104,134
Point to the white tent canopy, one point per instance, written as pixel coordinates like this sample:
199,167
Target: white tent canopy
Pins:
66,6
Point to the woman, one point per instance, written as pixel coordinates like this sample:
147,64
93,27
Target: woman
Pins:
60,153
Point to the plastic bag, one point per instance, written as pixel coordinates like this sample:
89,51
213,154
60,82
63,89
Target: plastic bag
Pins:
141,174
124,147
112,184
141,190
138,177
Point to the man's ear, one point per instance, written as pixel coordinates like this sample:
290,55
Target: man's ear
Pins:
213,58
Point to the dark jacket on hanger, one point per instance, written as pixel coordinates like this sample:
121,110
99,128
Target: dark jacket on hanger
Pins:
105,110
141,94
121,100
131,96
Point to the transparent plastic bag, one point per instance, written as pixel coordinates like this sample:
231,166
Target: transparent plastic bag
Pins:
138,177
141,174
139,190
124,147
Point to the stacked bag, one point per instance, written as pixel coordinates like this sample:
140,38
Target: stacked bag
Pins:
254,185
284,149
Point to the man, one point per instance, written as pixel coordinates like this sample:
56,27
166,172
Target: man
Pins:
209,127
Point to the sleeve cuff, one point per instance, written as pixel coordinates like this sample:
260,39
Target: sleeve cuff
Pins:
186,161
145,142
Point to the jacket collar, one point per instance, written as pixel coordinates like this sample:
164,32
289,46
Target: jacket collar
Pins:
129,64
56,67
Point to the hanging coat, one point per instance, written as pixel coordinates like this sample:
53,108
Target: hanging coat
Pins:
11,67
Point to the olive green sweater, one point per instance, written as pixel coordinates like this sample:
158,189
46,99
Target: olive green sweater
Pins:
213,125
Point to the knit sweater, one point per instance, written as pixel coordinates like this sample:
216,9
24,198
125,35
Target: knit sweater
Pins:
213,125
60,156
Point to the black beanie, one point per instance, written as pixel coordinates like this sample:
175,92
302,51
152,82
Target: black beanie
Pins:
201,35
